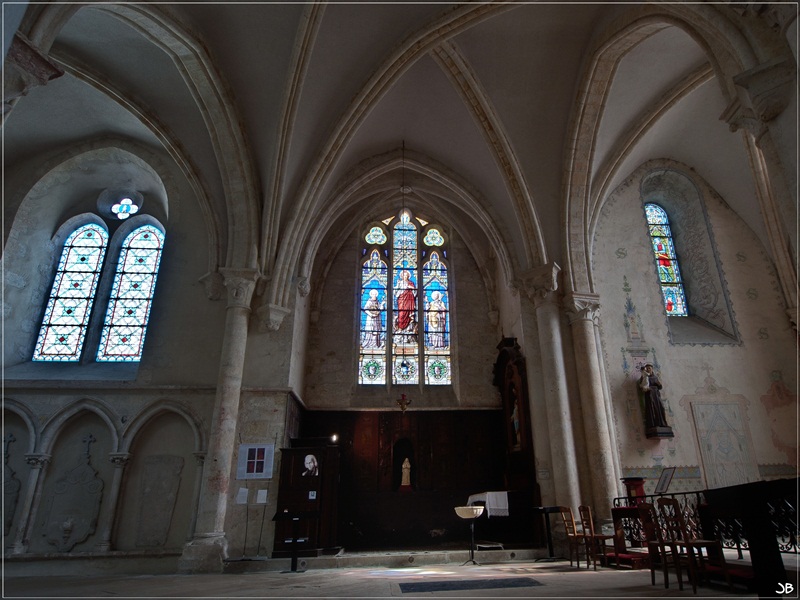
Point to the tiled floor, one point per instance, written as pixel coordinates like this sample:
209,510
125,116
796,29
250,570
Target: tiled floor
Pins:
555,579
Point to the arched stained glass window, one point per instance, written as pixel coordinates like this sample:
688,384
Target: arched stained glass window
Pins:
405,278
396,296
666,261
66,316
437,318
128,311
374,283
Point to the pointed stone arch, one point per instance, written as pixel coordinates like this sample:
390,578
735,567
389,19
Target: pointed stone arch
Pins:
56,424
725,48
140,421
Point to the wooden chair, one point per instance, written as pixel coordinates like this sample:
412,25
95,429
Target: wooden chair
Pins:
574,537
703,557
661,552
595,542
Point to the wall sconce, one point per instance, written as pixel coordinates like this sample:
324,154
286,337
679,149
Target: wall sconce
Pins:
403,402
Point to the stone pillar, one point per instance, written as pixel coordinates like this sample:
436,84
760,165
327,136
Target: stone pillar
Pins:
540,285
765,91
582,310
209,547
200,458
120,461
30,505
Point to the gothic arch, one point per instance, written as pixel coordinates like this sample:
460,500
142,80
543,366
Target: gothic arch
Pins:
217,109
432,184
24,413
55,425
308,197
728,53
156,409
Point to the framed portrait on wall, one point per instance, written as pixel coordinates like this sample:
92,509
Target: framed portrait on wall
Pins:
664,480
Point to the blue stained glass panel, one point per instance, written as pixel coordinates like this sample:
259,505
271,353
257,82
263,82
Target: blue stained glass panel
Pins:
123,333
66,316
666,261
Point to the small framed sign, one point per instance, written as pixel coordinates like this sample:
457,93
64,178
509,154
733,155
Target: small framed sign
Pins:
664,480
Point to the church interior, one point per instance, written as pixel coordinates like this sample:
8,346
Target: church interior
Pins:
316,273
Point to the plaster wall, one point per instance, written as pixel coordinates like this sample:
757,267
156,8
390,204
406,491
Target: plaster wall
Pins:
751,379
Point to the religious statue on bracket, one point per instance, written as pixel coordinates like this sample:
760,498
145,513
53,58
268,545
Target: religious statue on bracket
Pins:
655,417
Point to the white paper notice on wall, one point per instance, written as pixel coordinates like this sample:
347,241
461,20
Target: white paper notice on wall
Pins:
241,497
261,496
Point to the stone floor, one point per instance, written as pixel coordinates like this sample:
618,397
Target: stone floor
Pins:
521,577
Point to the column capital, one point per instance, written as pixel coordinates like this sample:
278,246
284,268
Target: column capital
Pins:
766,91
541,282
119,459
272,316
38,461
582,307
240,283
26,67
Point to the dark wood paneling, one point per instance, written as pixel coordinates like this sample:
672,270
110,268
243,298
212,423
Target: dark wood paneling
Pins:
454,454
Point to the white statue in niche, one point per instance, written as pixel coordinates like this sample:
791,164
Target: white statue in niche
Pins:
406,477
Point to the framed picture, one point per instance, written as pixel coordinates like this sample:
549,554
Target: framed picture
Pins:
664,480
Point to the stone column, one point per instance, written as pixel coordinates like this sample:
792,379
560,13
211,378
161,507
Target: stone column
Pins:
540,285
120,461
765,91
200,458
30,505
582,310
209,547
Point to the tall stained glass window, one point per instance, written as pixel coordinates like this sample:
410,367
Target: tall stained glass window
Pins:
666,261
128,310
405,305
66,317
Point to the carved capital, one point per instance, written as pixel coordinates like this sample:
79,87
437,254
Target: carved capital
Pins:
38,461
119,459
272,316
303,286
540,283
25,68
582,307
214,283
769,86
741,117
240,283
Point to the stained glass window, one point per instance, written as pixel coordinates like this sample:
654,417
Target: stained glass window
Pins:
666,261
395,297
374,283
405,350
437,321
66,316
131,296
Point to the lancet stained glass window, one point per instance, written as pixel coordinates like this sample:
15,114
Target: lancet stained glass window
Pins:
396,296
666,261
66,316
374,283
128,311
